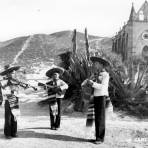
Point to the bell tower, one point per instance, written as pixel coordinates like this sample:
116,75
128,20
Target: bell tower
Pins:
133,37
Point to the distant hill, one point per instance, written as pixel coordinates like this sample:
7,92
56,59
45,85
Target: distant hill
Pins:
10,48
106,43
41,47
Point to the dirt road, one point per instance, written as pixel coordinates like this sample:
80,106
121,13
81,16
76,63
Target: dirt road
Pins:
34,131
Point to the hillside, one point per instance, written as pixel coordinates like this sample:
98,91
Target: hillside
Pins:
41,47
9,49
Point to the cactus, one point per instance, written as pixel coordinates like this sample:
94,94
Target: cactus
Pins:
87,44
74,42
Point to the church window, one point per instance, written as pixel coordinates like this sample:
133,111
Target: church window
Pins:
145,35
145,51
141,16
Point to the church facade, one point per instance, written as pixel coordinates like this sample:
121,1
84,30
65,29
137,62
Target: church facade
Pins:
132,39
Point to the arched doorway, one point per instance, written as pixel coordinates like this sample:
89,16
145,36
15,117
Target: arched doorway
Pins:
145,51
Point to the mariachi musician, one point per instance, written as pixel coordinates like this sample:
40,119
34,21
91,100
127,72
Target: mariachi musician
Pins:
100,95
10,87
56,88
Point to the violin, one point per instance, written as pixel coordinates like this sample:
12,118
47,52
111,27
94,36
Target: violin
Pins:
22,84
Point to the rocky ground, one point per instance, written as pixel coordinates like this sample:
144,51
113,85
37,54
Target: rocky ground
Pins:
34,131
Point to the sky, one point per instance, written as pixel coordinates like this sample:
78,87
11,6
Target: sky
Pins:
27,17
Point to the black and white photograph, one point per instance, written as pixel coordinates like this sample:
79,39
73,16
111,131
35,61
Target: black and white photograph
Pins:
74,74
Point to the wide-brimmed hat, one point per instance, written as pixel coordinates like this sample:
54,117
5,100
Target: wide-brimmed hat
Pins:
9,69
51,71
100,60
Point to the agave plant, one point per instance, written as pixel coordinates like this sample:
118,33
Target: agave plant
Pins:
130,94
65,59
129,84
79,69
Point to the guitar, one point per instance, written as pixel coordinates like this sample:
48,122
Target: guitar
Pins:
52,89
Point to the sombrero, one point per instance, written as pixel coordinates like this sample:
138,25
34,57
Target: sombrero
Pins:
50,72
100,60
9,70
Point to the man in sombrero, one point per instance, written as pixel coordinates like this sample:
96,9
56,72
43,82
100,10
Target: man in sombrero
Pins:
9,90
58,87
100,94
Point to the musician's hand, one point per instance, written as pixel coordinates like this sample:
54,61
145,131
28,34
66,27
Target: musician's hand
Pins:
57,89
90,82
40,84
35,89
27,86
84,83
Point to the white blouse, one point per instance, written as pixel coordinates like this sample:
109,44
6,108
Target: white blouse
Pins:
101,89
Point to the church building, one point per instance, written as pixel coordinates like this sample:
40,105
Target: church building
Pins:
132,39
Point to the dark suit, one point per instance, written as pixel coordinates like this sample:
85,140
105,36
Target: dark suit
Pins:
11,103
10,126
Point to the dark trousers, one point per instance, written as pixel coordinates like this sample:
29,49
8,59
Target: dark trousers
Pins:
55,119
10,126
99,106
